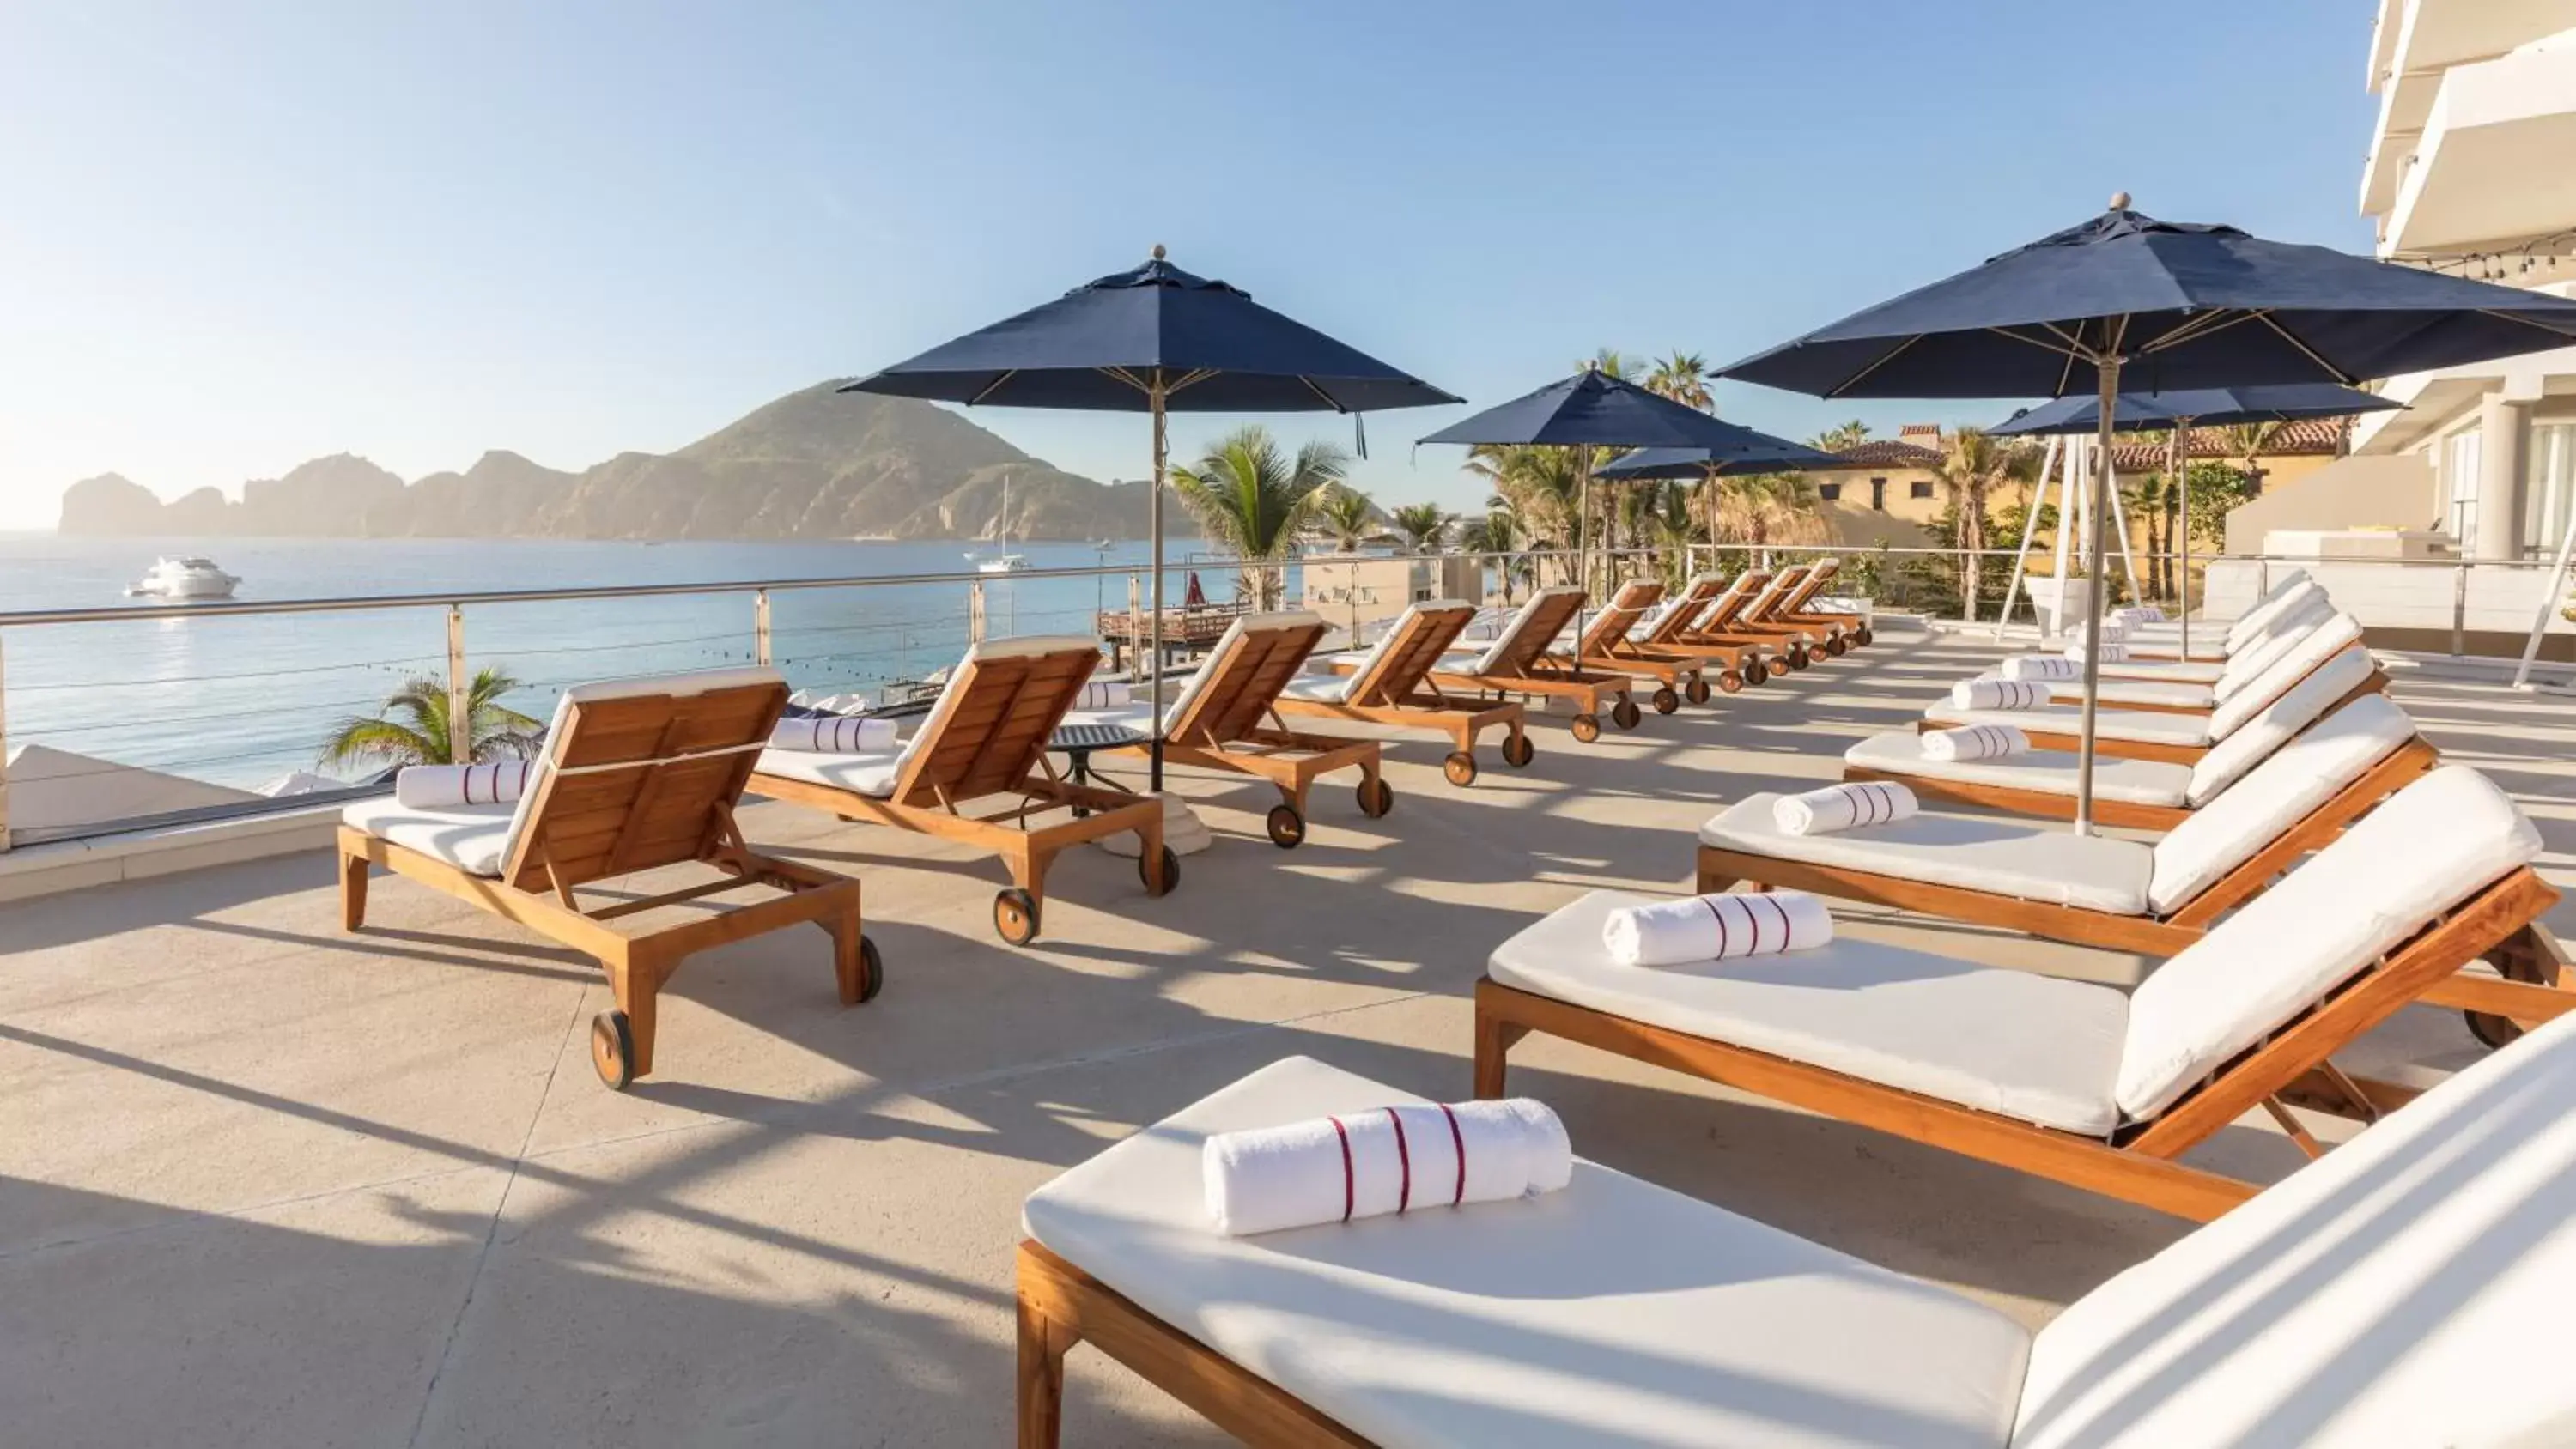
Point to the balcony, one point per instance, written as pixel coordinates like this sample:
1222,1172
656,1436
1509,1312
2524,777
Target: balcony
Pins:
270,1183
2490,166
2415,43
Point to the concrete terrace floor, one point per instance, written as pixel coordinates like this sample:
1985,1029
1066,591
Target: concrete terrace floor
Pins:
264,1183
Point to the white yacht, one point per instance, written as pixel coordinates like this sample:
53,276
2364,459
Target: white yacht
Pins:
184,578
1007,563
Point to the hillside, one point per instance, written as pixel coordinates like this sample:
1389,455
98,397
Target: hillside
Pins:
814,464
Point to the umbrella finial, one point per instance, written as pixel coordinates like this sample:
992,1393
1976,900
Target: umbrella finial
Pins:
1158,251
2119,202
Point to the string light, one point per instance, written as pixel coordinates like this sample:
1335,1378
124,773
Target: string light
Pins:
2496,266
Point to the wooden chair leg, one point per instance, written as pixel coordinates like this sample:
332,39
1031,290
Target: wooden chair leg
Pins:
1043,1344
637,985
353,892
1152,836
1494,1038
846,966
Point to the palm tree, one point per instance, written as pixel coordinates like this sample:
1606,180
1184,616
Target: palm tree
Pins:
2148,498
2246,442
1253,502
1683,377
1346,517
1539,486
1973,464
1500,531
1847,435
1608,361
1421,524
1763,508
412,728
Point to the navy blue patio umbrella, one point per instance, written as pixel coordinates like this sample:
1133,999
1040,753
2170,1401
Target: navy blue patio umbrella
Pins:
1591,410
2180,412
2127,300
1154,340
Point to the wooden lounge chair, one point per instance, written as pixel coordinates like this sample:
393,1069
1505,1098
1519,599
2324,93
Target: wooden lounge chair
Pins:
2333,653
2072,1080
1849,628
1732,623
2397,1292
1517,663
986,740
1390,684
2202,696
1696,628
1226,718
1769,615
635,775
2139,794
1606,644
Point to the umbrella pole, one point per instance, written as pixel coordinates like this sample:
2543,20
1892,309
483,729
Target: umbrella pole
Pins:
2109,369
2180,469
1582,542
1154,517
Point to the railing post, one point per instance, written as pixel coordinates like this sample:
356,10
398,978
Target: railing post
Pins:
760,623
4,753
2460,610
460,720
975,612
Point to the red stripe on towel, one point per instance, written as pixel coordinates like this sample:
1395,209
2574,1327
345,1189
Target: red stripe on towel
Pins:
1755,922
1720,917
1785,932
1404,1161
1458,1140
1347,1182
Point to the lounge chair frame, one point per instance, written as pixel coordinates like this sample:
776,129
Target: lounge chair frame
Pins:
1224,729
1531,672
1606,644
2410,759
1853,628
987,737
1726,631
1060,1306
2291,1066
1397,690
639,782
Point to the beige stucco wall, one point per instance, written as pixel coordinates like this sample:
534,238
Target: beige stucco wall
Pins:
2392,491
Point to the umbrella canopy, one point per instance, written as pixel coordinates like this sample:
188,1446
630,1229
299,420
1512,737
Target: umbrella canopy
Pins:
2202,407
2167,305
2182,305
1153,340
1102,346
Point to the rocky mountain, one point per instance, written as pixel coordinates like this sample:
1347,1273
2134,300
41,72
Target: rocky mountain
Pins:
814,464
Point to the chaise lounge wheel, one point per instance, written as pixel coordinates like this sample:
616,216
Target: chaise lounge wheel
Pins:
1460,767
1837,646
1376,798
1797,657
1697,693
612,1049
1172,868
1731,680
1625,713
1586,727
1862,635
871,971
1755,671
1518,751
1667,699
1015,916
1287,827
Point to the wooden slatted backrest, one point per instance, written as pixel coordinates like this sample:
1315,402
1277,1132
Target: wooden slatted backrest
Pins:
991,724
1814,584
1427,632
1525,640
1730,605
638,780
1243,678
1607,634
1766,605
1695,599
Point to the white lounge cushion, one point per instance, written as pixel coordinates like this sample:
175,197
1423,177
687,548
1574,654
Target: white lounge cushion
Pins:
2003,857
2172,671
2171,695
1321,688
473,838
2410,1288
2255,811
2428,848
2338,635
2259,653
2134,782
1510,639
2028,1046
2138,725
2253,738
1613,1313
864,772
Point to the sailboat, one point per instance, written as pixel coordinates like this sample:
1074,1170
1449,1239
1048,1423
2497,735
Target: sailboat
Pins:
1009,563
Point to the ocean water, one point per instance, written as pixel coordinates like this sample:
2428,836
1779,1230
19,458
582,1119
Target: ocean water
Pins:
243,701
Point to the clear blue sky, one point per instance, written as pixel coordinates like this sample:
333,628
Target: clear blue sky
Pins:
243,235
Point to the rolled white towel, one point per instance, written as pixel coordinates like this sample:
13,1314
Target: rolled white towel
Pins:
2141,614
1106,694
437,787
2111,653
1384,1160
1840,807
834,734
1976,742
1987,692
1717,928
2113,632
2042,667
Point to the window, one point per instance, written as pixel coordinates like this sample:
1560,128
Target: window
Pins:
2549,486
1878,494
1919,488
1829,491
2460,461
